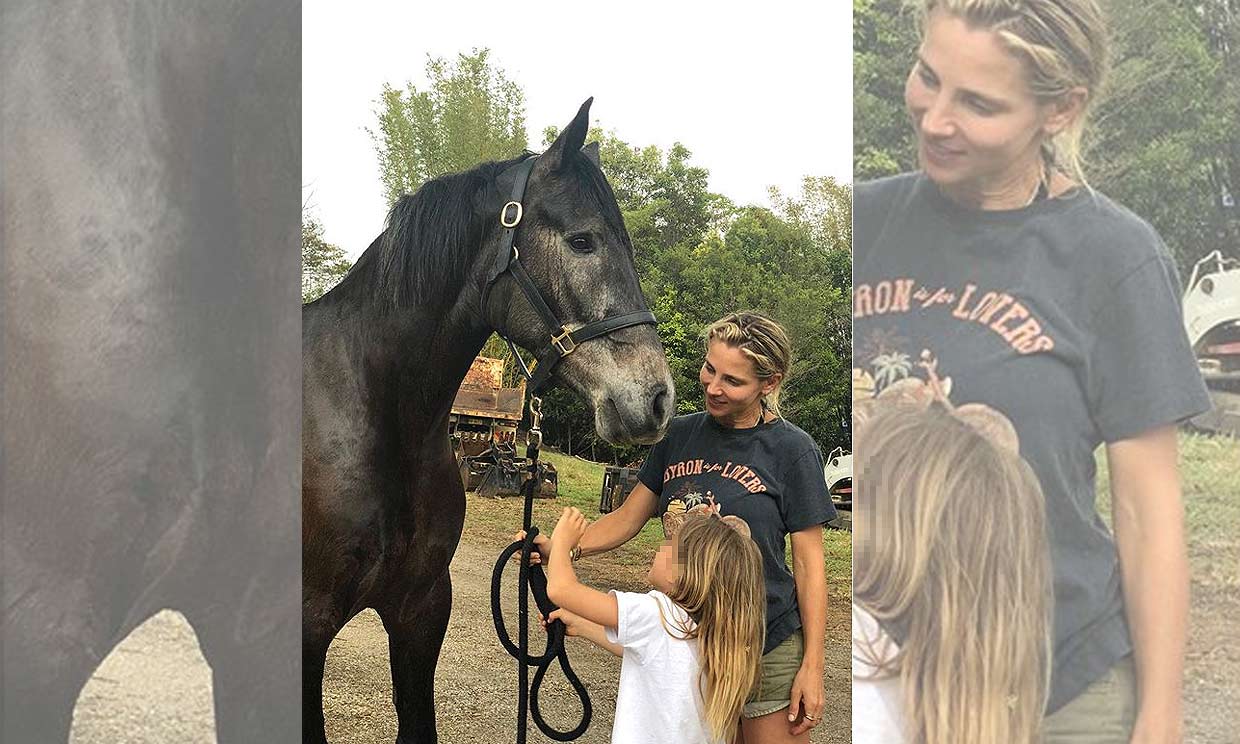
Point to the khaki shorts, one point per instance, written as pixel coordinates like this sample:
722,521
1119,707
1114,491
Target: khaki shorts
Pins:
779,669
1104,713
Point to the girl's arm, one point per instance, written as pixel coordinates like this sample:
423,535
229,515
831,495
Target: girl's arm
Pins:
810,576
1148,514
578,627
563,588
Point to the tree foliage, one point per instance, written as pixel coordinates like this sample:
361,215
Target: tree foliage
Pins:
1163,140
470,113
323,264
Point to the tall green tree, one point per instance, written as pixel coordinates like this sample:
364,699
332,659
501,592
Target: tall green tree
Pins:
469,113
323,264
885,42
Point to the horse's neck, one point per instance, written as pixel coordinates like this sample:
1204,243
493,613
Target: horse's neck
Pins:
441,353
415,356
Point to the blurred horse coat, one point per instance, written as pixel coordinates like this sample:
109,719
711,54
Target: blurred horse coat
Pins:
150,320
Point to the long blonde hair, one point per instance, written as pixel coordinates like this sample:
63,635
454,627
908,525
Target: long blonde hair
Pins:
759,338
952,558
721,587
1063,44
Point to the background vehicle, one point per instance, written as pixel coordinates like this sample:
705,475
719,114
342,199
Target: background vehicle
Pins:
1212,320
838,473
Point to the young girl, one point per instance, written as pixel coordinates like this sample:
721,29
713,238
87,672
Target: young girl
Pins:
952,592
692,646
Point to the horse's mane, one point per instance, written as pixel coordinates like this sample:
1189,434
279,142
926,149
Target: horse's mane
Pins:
431,234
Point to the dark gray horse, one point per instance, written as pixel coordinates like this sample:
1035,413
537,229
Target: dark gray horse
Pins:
384,353
149,313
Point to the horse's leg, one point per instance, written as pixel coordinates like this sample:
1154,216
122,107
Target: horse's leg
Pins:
313,663
42,715
49,649
256,688
416,626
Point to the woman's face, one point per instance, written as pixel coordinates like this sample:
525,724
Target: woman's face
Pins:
731,384
978,125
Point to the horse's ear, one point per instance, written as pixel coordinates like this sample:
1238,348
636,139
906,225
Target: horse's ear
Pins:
591,153
570,140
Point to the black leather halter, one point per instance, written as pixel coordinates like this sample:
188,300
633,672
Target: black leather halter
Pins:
562,341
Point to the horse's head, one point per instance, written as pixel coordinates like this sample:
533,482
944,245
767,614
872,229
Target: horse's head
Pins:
573,245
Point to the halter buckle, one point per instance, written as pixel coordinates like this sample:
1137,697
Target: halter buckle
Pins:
503,215
563,342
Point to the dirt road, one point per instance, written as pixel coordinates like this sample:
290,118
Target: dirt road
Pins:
155,687
476,684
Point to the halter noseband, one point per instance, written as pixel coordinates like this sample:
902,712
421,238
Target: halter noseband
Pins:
562,341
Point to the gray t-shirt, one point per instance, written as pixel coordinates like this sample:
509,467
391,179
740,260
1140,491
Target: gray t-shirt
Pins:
1064,317
769,475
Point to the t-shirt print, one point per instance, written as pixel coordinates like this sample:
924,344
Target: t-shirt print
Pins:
890,367
995,309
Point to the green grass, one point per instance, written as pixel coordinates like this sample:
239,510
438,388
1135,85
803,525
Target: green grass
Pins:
1210,479
495,520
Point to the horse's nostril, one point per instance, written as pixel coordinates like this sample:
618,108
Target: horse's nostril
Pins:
661,402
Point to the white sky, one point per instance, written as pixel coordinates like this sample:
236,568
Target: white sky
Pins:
762,95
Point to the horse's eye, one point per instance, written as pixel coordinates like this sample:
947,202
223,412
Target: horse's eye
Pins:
581,244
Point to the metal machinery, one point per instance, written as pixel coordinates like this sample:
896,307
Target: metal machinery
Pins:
1212,320
618,482
483,429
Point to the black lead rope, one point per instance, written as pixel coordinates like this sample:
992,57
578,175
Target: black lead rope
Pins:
532,578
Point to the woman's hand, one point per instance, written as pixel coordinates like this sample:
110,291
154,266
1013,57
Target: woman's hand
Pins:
808,699
569,529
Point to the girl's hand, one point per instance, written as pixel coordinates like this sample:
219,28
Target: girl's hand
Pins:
573,624
569,529
808,700
542,548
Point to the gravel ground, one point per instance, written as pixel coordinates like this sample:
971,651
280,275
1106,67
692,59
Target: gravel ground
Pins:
1212,670
475,688
156,687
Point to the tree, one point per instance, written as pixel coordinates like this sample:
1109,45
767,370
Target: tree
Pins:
470,113
885,42
323,264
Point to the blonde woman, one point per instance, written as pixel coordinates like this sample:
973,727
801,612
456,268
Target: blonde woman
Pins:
996,269
756,465
691,646
951,556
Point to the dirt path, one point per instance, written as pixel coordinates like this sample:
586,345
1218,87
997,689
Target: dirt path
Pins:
156,687
476,683
1212,668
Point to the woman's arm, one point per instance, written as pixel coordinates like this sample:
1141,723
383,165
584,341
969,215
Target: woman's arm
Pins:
613,529
1148,514
810,575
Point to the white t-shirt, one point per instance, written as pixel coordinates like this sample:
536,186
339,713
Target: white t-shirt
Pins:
659,700
877,709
